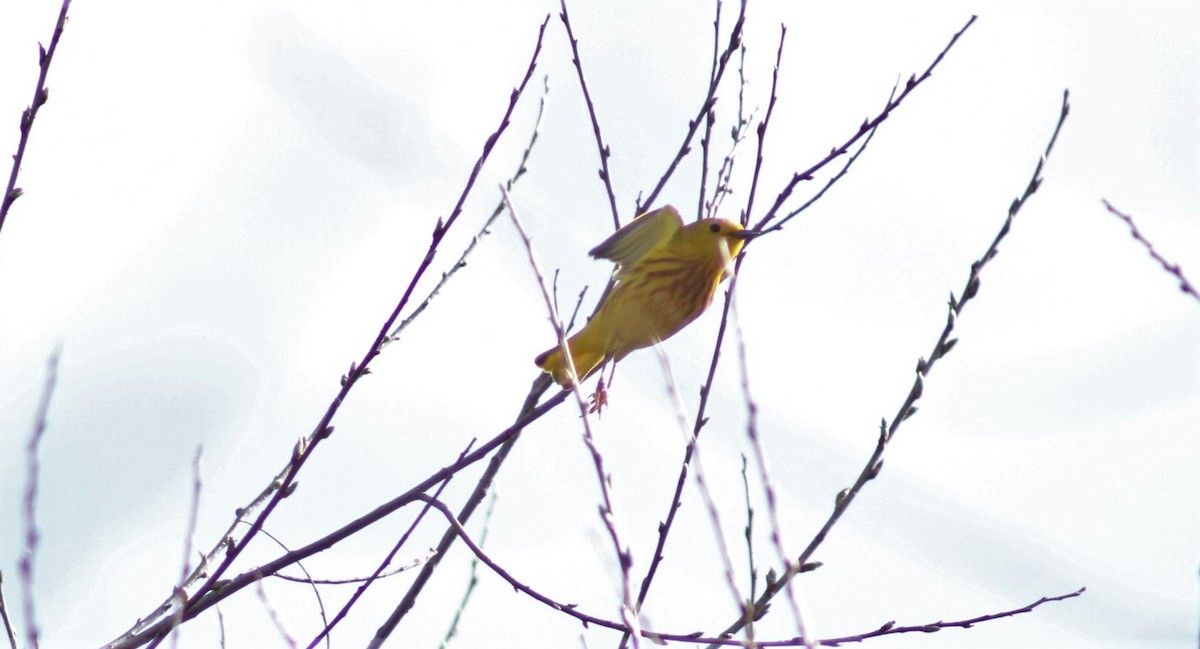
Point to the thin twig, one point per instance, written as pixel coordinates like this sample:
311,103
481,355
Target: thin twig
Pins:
40,95
608,511
768,488
940,348
308,579
1174,269
711,116
748,531
273,615
193,515
485,481
891,629
472,576
527,415
387,560
603,148
710,505
32,469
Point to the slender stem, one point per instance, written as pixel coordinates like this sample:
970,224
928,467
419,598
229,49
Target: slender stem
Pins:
40,95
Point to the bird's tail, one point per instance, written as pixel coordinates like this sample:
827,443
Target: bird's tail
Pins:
587,353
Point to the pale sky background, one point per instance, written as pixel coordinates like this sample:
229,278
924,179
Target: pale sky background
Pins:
224,200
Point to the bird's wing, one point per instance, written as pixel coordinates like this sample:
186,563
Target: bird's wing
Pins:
639,237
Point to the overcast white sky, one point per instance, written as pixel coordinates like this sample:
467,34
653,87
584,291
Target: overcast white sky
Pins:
224,200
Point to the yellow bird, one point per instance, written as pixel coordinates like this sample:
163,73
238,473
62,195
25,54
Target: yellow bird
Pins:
666,274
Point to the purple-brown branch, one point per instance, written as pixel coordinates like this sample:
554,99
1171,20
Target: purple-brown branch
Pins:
1174,269
40,95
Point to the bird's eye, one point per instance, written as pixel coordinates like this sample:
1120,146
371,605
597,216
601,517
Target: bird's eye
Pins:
714,228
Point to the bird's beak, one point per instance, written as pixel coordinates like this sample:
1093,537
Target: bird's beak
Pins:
745,235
